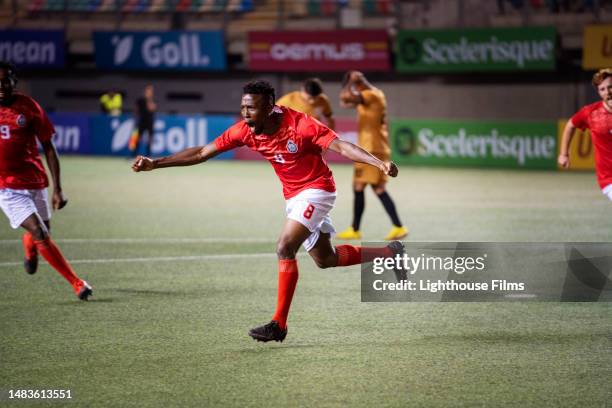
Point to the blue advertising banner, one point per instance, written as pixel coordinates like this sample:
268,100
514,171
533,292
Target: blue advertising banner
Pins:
83,133
153,50
71,132
33,48
172,133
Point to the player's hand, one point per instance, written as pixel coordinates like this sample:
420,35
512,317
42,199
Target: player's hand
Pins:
345,99
142,163
390,169
563,161
58,200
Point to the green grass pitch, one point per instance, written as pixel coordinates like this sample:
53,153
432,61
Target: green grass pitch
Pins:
182,263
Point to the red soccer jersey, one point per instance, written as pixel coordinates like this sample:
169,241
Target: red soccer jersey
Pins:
21,124
294,150
598,120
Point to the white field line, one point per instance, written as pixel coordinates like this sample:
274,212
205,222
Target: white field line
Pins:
521,295
149,240
160,259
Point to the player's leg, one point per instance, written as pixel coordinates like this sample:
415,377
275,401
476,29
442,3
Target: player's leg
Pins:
149,129
29,209
41,202
135,139
30,261
358,204
398,231
352,232
30,254
18,205
327,256
323,253
52,254
292,236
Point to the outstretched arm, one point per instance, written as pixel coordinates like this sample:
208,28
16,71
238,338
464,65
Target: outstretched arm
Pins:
566,140
357,154
187,157
58,200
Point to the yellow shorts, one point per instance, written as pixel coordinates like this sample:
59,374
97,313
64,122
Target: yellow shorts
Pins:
364,173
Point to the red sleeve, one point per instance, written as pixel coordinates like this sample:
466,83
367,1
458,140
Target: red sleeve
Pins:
42,125
581,118
231,138
320,134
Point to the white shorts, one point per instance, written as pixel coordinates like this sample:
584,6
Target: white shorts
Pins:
20,204
311,208
607,191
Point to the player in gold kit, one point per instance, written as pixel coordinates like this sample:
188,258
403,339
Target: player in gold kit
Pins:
310,100
371,108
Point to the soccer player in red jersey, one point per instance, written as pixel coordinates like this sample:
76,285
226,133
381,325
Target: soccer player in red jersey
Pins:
597,117
293,143
23,181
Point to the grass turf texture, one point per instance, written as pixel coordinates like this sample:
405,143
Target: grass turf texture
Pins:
173,332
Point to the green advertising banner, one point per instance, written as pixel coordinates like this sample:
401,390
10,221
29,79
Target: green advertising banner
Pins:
529,145
479,49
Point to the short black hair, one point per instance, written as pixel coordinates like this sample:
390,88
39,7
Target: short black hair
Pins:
313,86
9,68
259,87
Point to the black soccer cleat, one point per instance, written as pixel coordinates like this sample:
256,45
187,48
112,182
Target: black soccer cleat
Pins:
398,249
85,292
268,332
31,265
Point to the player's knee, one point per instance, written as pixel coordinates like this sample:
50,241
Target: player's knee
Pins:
40,233
325,262
379,189
285,250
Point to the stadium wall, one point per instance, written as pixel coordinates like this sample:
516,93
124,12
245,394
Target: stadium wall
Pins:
411,97
434,142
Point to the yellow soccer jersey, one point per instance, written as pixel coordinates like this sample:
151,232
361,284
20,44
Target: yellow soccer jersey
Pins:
320,109
372,117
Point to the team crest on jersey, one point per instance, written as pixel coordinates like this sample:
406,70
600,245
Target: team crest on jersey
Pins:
291,146
21,120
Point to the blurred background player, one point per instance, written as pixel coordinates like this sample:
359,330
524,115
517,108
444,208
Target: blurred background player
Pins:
23,181
373,137
310,100
293,143
597,117
111,103
145,119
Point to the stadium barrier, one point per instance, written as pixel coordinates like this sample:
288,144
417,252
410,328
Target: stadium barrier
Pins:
597,47
476,50
528,145
158,50
92,134
325,51
33,48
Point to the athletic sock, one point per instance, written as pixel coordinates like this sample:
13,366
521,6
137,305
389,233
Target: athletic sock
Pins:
354,255
287,281
387,202
358,207
53,255
29,248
